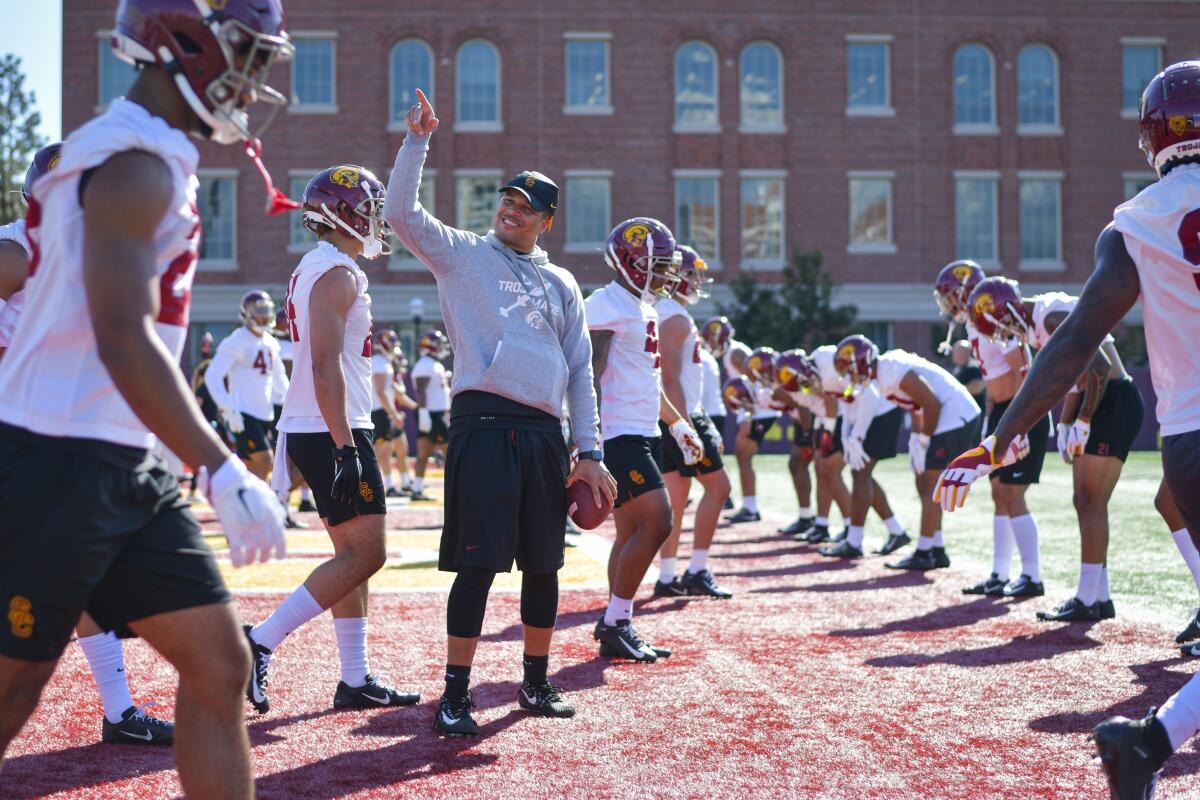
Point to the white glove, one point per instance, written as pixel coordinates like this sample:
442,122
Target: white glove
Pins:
918,447
956,479
424,420
1077,438
856,456
233,420
1062,432
248,510
688,440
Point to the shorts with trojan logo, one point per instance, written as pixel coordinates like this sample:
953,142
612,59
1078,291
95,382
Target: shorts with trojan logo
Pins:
312,453
91,526
636,463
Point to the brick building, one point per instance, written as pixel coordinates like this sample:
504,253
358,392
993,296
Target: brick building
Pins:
890,136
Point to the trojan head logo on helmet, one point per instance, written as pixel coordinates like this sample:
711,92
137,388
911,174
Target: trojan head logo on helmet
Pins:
856,358
794,371
257,311
348,199
716,333
43,161
434,343
737,394
760,367
693,276
642,251
998,310
1169,115
386,342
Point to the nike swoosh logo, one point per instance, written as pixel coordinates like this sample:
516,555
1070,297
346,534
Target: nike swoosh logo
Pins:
447,721
471,547
147,736
241,499
528,698
383,701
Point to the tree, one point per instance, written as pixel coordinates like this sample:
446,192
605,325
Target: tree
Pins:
796,313
19,138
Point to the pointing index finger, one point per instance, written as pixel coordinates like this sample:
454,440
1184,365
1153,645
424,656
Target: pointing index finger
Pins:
425,105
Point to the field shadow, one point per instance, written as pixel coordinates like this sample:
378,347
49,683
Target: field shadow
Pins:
74,768
938,619
895,581
1157,683
824,565
1039,646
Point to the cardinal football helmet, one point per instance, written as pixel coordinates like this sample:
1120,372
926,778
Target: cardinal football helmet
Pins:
350,198
760,367
386,342
642,251
693,277
954,284
794,370
257,311
998,311
1169,117
738,394
434,343
716,333
43,161
856,358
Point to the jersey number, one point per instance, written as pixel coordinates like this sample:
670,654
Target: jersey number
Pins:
293,333
652,341
262,362
1189,238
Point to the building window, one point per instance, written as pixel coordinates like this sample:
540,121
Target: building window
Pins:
1037,90
216,200
410,68
697,213
478,95
476,199
975,219
589,210
587,74
974,90
1135,182
878,332
1041,222
871,213
696,87
1141,60
762,87
300,238
115,75
762,221
314,74
401,258
868,76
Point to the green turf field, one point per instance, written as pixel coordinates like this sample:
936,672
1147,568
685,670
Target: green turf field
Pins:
1147,574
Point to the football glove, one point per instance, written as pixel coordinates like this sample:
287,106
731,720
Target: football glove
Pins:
1077,437
956,479
1062,433
233,420
248,510
918,447
424,421
688,440
823,435
856,456
347,474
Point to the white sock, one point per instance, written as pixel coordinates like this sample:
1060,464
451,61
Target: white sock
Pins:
925,542
937,539
306,493
1089,580
284,497
1102,584
106,657
405,480
418,484
750,503
387,480
1025,534
699,561
855,536
893,526
351,635
1180,715
1187,549
821,522
297,609
618,608
666,568
806,512
1002,546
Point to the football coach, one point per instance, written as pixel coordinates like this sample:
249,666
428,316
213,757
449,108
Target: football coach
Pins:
521,347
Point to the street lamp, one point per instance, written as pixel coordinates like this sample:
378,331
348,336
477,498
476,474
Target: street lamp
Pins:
416,307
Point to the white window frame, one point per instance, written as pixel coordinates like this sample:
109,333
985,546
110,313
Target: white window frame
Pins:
697,127
975,128
314,108
760,127
394,124
1042,264
764,264
568,176
412,263
989,175
491,126
587,36
222,264
474,172
1041,129
1136,175
872,248
101,36
1159,42
714,175
887,109
302,247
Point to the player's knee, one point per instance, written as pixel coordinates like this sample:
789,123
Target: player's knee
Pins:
217,672
658,526
1163,503
19,695
1085,500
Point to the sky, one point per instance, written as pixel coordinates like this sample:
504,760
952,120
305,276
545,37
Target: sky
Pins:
32,29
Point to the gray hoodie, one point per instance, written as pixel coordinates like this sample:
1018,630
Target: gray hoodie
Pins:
516,321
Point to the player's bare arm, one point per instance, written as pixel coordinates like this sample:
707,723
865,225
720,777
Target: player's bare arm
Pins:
601,341
420,387
1095,379
332,296
13,268
671,339
922,394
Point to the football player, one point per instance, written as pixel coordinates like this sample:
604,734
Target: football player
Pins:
114,238
404,404
714,339
325,429
432,389
758,366
624,327
682,377
385,413
278,392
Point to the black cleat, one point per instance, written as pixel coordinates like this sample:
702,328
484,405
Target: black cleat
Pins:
919,561
894,542
672,589
703,583
801,525
372,694
394,492
1126,758
1106,609
137,727
1024,586
545,699
841,549
418,497
1071,611
1191,650
292,524
728,505
993,585
1192,631
743,515
623,641
816,535
607,651
940,559
260,659
453,717
306,506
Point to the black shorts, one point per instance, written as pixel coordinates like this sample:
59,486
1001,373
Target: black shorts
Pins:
801,436
948,445
506,497
880,441
1029,469
673,457
636,462
1181,466
439,432
837,437
759,428
91,526
255,436
312,453
384,430
1117,420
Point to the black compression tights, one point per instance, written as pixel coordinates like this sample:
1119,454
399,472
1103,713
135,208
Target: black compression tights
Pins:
469,594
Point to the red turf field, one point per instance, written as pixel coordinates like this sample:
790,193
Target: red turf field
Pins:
818,679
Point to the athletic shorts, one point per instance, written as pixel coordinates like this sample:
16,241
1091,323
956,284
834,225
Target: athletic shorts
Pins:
506,497
673,456
801,436
92,526
1117,420
636,462
384,430
880,441
1029,469
948,445
837,437
1181,466
759,428
255,436
312,453
439,433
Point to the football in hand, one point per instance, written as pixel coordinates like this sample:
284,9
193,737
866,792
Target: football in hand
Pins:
582,508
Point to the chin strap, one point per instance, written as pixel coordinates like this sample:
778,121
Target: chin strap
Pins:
277,201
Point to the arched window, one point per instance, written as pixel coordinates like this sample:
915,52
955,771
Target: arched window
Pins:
974,87
478,95
761,82
410,67
1037,87
696,86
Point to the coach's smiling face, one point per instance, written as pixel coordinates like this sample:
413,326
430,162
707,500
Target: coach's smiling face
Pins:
517,224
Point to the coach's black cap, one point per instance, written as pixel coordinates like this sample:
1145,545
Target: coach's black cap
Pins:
540,191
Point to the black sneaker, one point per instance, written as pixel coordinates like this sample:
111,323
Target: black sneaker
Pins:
672,589
703,583
623,641
306,506
1025,586
801,525
743,515
1192,631
841,549
453,716
894,542
418,497
1071,611
728,505
292,524
608,651
260,659
816,535
137,727
394,492
1106,609
919,561
372,694
840,536
1192,650
993,585
1125,757
545,699
940,559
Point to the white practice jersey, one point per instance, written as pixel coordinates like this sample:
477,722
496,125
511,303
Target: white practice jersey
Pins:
763,400
631,382
958,407
812,401
382,365
10,310
285,349
727,359
251,364
437,391
52,381
991,355
301,414
834,385
691,374
1161,228
710,385
1043,306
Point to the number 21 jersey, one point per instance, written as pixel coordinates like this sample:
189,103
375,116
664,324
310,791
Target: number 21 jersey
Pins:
631,381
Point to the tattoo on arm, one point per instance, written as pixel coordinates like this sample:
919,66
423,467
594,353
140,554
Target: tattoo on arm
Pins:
601,341
1095,381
